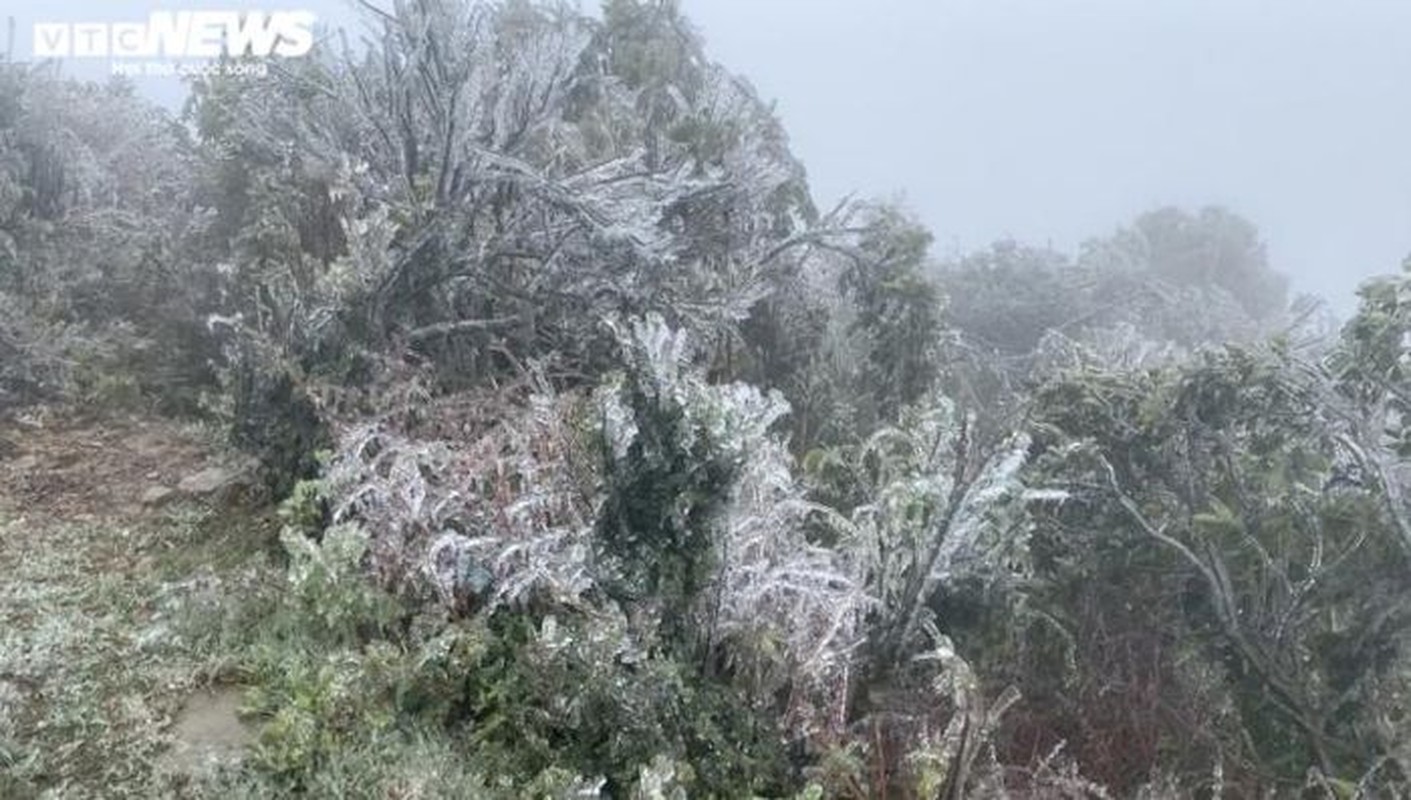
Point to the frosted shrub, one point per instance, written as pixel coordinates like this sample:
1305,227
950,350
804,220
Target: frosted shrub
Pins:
690,519
483,522
938,508
779,610
327,580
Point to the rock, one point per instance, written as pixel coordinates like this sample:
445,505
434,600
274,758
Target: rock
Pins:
27,463
8,449
157,496
221,485
208,481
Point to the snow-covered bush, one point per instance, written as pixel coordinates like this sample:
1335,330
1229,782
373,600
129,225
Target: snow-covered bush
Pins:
659,493
497,518
704,515
935,508
98,295
32,363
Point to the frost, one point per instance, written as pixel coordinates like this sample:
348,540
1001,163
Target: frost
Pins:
489,520
980,529
1047,495
770,584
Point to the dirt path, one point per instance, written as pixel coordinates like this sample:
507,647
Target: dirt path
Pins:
76,469
118,545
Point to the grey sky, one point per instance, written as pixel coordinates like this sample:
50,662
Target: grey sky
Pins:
1054,121
1050,122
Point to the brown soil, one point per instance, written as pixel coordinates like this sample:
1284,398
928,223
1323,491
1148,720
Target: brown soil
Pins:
78,468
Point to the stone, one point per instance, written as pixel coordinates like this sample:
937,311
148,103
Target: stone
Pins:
157,496
207,482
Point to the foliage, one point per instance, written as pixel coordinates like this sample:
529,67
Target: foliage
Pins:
101,297
1211,248
1187,278
1006,298
936,509
607,168
898,313
502,517
1228,478
705,519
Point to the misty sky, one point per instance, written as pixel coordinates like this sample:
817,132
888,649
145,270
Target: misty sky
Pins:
1050,122
1055,121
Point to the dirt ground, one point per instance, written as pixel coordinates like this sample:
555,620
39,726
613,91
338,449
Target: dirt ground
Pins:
74,467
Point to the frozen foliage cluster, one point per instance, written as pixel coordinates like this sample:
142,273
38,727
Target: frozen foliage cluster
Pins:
770,590
514,171
496,519
938,510
95,223
509,516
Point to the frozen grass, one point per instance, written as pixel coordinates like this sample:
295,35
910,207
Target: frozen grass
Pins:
105,630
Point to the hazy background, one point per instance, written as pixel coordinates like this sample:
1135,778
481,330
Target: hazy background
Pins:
1050,122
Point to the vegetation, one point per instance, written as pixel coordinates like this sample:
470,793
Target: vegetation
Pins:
594,460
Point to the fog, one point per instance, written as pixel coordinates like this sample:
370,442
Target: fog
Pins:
1053,122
